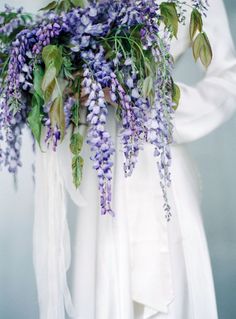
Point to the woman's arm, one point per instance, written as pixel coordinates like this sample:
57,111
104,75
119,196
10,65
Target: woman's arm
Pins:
213,100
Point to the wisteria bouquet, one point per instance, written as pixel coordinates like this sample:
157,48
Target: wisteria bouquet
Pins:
94,56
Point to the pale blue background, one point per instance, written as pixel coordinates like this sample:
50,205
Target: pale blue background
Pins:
216,159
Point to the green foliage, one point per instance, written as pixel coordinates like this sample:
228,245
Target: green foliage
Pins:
119,113
35,117
77,3
202,49
195,23
75,114
130,45
51,6
63,5
57,115
147,86
3,66
201,45
170,17
176,95
52,57
67,68
26,17
76,88
77,169
48,82
53,88
38,78
206,52
76,143
77,161
8,17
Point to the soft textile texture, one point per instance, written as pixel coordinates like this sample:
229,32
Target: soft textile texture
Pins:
51,239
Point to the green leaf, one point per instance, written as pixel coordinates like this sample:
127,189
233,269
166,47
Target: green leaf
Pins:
4,67
26,18
120,78
49,78
78,3
64,5
197,46
59,88
35,117
206,52
57,115
76,143
170,16
61,6
77,168
52,56
148,66
202,49
51,93
176,95
119,113
38,78
75,114
195,23
147,86
52,5
67,68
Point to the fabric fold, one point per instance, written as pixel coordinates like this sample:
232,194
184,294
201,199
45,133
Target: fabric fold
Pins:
51,242
151,274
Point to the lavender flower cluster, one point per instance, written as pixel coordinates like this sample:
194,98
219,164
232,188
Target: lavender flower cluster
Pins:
116,47
8,28
19,81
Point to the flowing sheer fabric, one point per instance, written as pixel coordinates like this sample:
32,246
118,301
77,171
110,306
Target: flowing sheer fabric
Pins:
51,239
136,266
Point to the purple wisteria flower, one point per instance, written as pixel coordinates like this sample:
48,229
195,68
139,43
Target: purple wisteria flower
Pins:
117,53
97,75
99,140
47,31
68,105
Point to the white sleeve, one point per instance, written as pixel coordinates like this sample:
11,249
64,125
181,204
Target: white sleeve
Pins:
213,100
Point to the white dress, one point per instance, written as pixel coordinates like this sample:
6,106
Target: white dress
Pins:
136,265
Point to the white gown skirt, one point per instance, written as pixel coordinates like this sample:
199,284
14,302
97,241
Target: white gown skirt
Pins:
136,265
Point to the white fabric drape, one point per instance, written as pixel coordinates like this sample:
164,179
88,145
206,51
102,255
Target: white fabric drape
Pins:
136,266
51,239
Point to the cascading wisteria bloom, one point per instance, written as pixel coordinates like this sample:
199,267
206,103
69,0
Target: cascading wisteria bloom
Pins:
161,128
106,54
47,31
99,139
19,75
13,103
11,138
19,19
68,105
8,28
97,76
133,119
